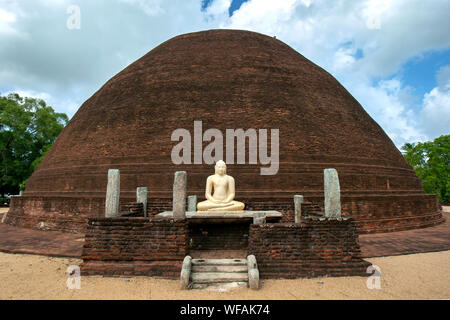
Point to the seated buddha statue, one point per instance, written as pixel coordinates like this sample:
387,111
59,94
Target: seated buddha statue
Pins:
223,197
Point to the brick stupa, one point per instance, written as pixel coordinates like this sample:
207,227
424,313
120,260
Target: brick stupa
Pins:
227,79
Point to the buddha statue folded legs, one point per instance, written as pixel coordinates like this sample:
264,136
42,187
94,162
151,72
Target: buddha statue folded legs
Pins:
231,206
223,197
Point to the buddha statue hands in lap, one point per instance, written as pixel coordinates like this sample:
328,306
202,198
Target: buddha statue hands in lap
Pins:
224,192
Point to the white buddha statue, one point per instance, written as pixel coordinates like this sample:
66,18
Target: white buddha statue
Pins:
224,192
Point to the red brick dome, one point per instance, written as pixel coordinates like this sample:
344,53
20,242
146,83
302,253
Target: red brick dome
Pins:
227,79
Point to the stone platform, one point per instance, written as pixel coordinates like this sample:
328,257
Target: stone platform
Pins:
225,216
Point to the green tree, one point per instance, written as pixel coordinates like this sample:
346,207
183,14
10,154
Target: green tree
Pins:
28,128
431,162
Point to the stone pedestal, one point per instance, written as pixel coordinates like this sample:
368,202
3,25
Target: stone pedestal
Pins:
179,195
332,193
112,194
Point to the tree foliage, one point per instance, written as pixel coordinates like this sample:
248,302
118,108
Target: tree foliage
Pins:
431,162
28,128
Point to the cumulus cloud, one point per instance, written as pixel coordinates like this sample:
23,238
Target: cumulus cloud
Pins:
6,21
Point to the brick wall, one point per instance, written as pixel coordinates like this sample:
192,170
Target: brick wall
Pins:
134,246
219,236
310,249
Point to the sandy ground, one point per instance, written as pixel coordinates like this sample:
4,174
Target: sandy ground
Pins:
418,276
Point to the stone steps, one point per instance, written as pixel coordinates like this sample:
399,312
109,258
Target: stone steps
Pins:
221,262
218,274
219,268
218,286
219,277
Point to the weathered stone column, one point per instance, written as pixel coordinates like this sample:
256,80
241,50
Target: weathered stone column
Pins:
298,200
332,193
112,194
185,273
179,195
253,272
192,203
142,197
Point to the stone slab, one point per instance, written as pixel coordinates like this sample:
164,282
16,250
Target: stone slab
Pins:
220,268
221,287
219,262
216,277
225,217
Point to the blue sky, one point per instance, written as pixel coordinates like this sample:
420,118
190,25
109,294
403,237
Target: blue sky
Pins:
235,5
419,72
392,56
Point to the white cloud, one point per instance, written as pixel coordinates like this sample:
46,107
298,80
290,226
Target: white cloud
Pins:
7,20
386,102
38,95
150,7
374,11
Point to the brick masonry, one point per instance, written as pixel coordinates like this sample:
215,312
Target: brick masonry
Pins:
218,236
134,246
157,247
310,249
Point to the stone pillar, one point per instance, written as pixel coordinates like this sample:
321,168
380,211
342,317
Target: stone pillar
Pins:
179,195
112,194
141,197
192,203
253,272
332,193
259,218
298,200
185,273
